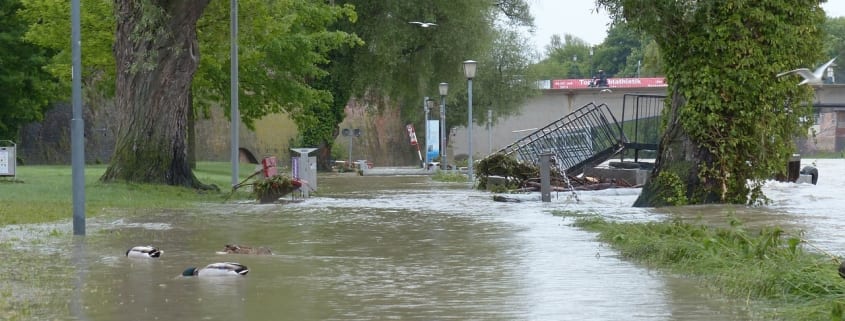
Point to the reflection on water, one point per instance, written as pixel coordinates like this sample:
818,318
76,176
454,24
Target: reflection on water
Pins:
368,248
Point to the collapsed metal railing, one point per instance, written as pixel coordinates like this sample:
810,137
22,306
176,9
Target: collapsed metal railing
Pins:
641,123
584,138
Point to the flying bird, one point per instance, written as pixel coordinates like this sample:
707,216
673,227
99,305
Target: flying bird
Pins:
423,24
812,78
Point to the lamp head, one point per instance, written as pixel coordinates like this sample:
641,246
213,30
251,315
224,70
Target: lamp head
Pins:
444,88
469,68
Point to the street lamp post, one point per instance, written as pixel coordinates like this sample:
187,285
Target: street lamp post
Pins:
77,123
591,62
444,89
469,72
427,143
233,88
639,63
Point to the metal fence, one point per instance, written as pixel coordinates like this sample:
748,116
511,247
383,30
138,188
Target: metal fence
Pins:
641,123
584,138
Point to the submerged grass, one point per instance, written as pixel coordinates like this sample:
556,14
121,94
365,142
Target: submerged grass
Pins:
449,176
44,193
770,268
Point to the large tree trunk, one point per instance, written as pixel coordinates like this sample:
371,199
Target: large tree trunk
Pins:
674,180
157,54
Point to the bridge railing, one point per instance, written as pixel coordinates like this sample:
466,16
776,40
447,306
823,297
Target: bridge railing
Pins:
584,138
641,123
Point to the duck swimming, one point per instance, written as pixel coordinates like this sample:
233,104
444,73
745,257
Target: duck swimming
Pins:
218,269
240,249
145,251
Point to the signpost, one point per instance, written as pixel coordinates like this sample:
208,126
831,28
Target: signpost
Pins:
413,136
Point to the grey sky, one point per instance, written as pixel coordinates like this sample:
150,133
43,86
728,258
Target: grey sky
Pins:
578,18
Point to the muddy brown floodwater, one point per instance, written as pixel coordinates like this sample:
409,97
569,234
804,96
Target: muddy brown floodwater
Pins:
376,248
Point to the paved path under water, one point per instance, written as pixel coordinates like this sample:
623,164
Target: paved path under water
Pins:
379,248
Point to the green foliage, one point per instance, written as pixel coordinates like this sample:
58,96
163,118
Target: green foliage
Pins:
567,58
282,46
26,88
721,61
768,267
49,25
674,190
449,176
401,63
834,29
622,52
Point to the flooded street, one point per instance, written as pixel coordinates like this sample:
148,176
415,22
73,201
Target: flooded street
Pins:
382,248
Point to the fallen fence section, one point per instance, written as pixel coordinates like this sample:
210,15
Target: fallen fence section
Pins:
587,137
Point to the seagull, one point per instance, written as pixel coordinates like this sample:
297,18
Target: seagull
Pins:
812,78
423,24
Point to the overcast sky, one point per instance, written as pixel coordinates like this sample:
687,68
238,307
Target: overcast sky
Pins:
578,18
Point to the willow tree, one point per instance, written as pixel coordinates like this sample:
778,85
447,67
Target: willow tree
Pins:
730,122
157,54
401,62
146,54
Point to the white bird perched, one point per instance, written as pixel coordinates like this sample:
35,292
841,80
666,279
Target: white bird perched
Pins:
218,269
812,78
423,24
144,251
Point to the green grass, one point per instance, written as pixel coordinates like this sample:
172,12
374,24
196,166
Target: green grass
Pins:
770,269
44,193
449,176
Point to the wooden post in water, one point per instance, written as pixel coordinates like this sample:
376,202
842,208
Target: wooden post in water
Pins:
545,177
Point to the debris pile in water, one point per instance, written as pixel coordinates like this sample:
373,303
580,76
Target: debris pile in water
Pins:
500,173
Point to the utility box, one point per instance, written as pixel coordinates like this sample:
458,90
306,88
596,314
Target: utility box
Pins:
305,168
8,160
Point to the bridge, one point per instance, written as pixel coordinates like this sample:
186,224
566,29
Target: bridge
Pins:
556,103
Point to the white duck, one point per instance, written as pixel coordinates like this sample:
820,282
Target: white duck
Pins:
218,269
144,251
812,78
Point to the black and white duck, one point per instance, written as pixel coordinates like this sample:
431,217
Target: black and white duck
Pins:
144,251
218,269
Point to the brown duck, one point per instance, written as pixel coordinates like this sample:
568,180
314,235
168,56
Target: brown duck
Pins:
240,249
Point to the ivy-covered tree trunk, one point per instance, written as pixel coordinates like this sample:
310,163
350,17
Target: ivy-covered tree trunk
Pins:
732,122
157,53
675,177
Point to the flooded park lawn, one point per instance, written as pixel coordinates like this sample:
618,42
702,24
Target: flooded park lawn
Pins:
382,248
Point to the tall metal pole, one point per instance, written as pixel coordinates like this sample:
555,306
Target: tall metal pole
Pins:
235,113
469,129
427,143
77,124
470,67
443,132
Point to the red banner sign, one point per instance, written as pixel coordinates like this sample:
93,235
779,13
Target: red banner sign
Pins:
612,83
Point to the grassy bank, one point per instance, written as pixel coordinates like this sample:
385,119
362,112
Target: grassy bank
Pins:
44,193
776,272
